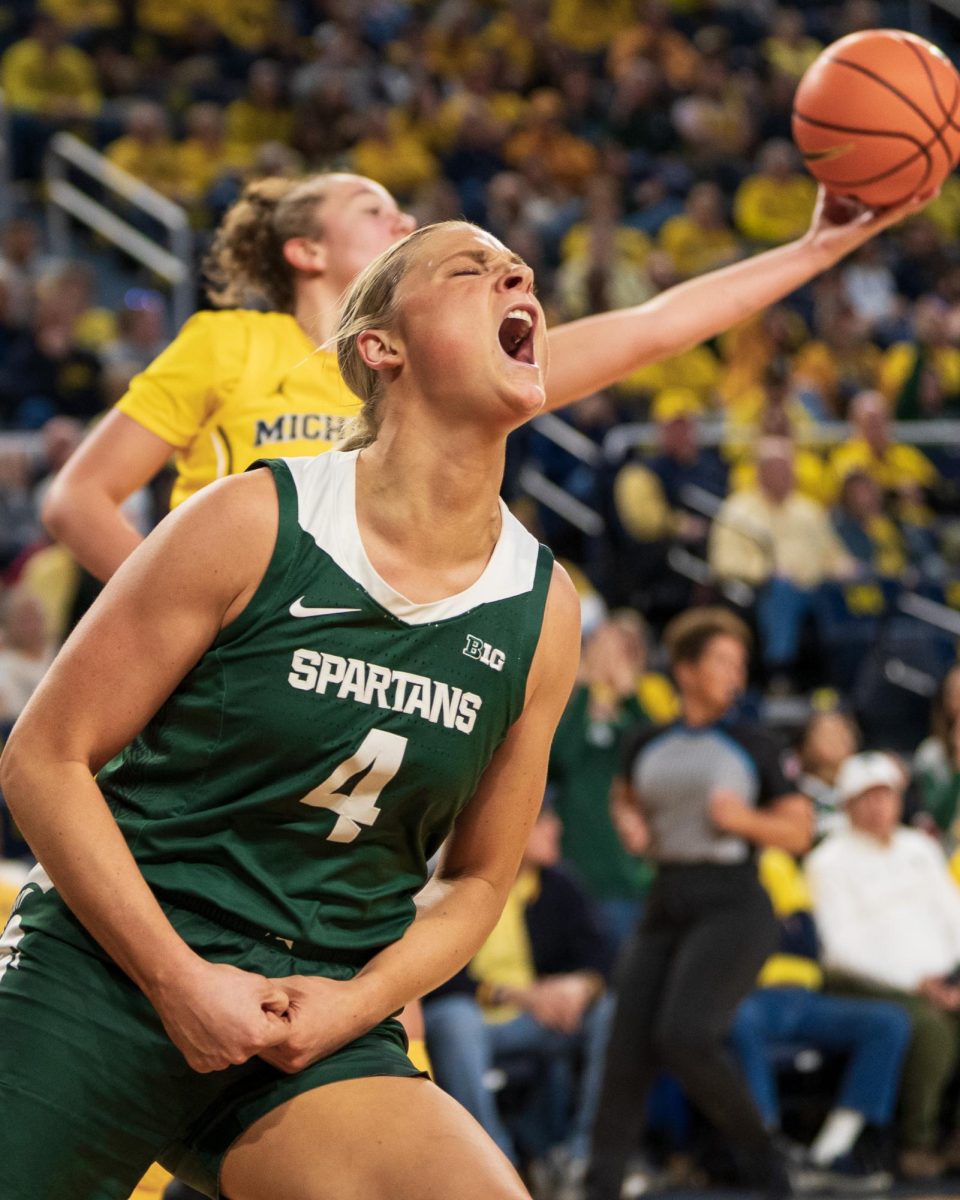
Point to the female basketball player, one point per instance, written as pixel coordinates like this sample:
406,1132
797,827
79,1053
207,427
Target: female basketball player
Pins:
239,385
373,651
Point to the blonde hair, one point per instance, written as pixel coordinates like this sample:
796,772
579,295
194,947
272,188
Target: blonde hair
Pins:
246,261
371,303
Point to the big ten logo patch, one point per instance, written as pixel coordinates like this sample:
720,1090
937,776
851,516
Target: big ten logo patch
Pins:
483,652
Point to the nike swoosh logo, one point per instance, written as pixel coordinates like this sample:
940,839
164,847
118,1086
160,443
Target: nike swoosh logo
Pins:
299,609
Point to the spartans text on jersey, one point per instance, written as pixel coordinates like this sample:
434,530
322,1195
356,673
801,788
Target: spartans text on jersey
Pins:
398,691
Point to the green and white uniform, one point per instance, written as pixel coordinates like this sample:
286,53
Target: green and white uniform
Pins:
283,804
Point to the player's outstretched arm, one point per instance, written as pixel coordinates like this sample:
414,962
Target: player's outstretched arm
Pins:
596,351
152,623
460,906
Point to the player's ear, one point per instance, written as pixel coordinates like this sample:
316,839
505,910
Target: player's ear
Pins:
380,349
306,254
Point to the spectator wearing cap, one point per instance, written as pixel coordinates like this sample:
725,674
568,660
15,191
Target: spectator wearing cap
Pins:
888,912
650,495
789,1008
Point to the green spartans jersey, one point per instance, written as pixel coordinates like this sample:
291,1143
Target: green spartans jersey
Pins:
304,771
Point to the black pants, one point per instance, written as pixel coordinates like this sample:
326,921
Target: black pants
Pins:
706,933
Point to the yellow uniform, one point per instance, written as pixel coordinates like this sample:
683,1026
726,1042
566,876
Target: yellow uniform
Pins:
236,386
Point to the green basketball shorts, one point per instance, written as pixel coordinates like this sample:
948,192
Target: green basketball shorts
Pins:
91,1088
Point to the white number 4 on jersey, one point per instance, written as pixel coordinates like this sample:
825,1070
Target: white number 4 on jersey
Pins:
376,760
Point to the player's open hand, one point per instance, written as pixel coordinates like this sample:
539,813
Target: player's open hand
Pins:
219,1016
840,225
322,1015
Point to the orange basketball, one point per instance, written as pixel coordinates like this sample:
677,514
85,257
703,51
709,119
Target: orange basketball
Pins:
877,116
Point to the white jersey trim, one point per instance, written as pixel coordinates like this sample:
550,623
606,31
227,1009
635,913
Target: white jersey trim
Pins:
326,492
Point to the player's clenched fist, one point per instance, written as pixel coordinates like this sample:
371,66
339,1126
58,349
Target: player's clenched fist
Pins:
220,1016
322,1015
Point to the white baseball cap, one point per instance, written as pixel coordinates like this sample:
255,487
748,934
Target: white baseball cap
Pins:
861,772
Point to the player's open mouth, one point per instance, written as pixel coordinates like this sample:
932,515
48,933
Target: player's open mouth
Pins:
516,334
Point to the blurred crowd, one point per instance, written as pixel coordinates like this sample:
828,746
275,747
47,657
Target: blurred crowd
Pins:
621,146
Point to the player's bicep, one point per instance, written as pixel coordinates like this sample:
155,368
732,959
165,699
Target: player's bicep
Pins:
491,832
153,621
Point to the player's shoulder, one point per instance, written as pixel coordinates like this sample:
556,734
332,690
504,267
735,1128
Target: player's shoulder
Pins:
240,502
239,322
563,593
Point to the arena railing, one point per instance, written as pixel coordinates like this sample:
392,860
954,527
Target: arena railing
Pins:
67,155
713,432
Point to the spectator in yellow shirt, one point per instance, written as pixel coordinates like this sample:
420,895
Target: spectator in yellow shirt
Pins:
252,25
44,75
588,25
837,364
896,466
205,155
603,260
782,416
788,48
865,529
775,204
146,150
921,378
48,85
81,15
653,39
714,119
752,347
262,115
392,154
567,160
699,239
